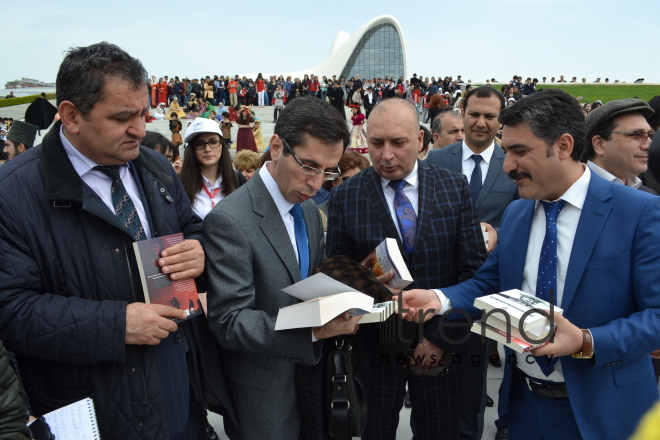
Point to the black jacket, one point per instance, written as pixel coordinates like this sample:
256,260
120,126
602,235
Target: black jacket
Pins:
67,273
13,413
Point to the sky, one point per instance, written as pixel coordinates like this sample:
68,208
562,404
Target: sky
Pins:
477,39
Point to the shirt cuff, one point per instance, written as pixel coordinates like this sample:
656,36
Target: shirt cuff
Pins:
593,343
313,338
444,301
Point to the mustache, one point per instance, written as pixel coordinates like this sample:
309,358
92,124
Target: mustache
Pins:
513,175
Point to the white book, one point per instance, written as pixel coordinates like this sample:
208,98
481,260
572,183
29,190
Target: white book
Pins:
317,312
516,303
517,344
534,334
378,313
74,422
386,257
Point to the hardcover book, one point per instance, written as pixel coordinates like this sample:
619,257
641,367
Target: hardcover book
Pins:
385,257
158,287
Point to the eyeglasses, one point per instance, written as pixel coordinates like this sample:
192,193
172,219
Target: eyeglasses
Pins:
344,178
201,145
311,171
638,135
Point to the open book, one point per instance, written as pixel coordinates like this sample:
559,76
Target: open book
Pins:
324,299
385,257
74,422
158,287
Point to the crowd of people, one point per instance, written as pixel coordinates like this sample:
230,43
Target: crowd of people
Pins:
563,192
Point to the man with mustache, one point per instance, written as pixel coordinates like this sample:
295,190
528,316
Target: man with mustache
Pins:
480,159
588,245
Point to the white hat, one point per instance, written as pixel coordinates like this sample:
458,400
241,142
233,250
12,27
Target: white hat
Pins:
202,125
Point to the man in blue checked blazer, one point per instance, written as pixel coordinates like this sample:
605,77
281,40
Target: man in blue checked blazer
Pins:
429,211
595,380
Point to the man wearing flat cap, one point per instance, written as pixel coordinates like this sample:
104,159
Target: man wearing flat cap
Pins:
20,137
618,140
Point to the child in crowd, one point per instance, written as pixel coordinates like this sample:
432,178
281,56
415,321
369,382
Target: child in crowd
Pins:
175,128
246,162
226,126
193,115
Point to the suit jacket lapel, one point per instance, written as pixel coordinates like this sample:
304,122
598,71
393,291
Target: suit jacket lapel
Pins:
377,200
272,225
514,247
456,159
592,220
496,163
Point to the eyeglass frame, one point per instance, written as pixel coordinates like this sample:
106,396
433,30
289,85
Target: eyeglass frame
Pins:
637,133
196,147
327,176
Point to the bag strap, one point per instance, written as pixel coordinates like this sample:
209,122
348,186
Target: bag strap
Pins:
340,403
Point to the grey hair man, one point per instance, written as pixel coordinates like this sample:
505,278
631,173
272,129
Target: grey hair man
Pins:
447,129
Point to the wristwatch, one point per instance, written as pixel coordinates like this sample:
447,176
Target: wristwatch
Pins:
587,351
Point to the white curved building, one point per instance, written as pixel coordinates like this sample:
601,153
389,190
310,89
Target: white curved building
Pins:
375,50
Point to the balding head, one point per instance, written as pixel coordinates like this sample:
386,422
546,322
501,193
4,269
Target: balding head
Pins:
398,108
394,138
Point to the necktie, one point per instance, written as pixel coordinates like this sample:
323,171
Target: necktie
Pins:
124,207
405,216
301,239
475,180
546,283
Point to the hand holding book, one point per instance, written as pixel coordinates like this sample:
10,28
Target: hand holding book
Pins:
147,324
344,324
183,260
567,340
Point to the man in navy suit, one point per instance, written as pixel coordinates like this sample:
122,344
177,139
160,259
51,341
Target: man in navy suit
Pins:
480,159
592,247
429,211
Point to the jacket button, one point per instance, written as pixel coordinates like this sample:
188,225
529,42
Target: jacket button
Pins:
117,251
177,338
133,370
162,190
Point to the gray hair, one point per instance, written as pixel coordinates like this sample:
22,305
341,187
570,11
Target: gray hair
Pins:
436,127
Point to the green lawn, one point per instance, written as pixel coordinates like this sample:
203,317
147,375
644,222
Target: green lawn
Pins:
604,92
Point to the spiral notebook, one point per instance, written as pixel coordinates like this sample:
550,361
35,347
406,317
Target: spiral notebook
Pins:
74,422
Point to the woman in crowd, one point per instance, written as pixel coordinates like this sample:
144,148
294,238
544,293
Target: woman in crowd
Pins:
160,143
350,164
207,174
357,96
337,98
587,108
259,136
160,111
358,136
324,87
175,107
193,103
245,137
208,90
278,104
260,84
436,105
246,162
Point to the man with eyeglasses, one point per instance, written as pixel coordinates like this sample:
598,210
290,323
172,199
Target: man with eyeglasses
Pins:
263,237
618,141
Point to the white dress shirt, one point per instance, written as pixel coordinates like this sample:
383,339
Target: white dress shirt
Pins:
282,205
411,190
468,162
567,223
204,203
101,183
602,172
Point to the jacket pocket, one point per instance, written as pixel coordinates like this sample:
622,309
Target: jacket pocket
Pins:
610,261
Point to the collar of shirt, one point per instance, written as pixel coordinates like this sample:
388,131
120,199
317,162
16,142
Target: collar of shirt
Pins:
411,178
577,193
602,172
282,205
487,154
211,186
81,163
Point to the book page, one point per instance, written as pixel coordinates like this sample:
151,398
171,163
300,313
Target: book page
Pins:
74,422
316,286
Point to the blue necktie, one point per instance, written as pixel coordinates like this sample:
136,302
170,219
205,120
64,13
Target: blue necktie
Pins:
405,216
546,282
124,207
475,180
301,239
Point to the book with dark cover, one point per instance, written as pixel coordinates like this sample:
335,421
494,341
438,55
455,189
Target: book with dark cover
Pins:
158,287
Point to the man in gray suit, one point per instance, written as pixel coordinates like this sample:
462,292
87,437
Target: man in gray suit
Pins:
480,159
266,236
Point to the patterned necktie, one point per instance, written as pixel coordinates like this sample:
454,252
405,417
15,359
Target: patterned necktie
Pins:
124,207
301,239
405,216
546,282
475,180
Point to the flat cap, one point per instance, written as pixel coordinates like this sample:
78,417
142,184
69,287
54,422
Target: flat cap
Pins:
22,133
616,108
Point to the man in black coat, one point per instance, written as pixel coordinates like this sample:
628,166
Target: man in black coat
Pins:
71,301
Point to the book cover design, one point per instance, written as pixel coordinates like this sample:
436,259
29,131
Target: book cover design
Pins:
386,257
158,287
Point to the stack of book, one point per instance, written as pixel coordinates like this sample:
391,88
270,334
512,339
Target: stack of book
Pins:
521,335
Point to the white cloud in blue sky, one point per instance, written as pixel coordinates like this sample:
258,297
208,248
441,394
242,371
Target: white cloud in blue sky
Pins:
477,39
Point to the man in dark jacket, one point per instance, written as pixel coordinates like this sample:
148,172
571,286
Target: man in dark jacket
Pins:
71,301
